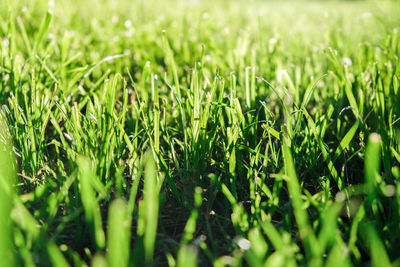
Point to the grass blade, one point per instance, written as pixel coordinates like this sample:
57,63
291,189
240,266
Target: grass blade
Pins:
42,31
118,234
89,201
7,181
306,232
149,208
56,257
372,166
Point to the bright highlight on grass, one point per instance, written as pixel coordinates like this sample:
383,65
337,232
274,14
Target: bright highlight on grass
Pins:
199,133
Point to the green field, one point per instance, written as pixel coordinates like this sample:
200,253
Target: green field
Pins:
199,133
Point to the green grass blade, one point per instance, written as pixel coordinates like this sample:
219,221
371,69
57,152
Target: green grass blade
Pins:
156,114
7,195
56,257
187,256
89,201
99,261
376,246
144,94
306,232
372,166
42,30
150,208
171,64
118,234
345,141
190,226
338,257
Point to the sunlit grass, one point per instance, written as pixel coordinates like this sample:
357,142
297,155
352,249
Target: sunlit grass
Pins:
183,133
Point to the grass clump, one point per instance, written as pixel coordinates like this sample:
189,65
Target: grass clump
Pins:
184,133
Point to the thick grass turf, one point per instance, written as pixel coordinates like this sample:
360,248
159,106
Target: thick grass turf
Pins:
184,133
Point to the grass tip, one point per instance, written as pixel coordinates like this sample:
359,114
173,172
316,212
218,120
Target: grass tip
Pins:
340,196
375,137
243,243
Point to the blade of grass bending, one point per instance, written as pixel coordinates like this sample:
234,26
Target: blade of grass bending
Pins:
239,215
42,31
7,180
291,90
285,107
310,91
345,141
306,232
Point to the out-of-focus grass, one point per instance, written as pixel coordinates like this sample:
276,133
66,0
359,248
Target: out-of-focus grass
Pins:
185,133
7,194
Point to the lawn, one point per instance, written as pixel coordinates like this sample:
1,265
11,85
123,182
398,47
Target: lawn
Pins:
199,133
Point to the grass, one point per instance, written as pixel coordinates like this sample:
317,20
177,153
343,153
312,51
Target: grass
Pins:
188,133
